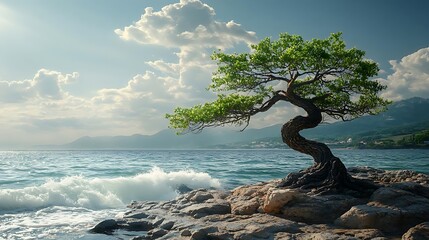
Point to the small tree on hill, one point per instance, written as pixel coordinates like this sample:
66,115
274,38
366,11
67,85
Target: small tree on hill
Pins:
321,76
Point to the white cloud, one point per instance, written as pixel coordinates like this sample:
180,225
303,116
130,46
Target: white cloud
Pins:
45,84
410,77
189,26
189,23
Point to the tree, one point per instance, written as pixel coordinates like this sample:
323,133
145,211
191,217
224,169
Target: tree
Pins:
321,76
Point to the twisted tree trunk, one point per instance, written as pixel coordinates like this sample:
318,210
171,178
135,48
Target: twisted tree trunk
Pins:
328,174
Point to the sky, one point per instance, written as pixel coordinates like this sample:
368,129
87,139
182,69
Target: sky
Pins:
109,67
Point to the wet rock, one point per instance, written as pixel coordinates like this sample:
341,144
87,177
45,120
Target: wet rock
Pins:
186,233
318,236
167,225
137,215
138,225
182,188
202,234
106,227
201,196
157,233
157,221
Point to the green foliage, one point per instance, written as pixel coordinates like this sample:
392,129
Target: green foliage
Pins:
322,71
226,109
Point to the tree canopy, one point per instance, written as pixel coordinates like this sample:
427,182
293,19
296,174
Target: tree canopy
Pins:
324,72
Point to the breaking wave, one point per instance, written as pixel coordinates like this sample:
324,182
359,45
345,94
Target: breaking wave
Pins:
102,193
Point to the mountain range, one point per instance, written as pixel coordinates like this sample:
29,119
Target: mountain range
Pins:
411,113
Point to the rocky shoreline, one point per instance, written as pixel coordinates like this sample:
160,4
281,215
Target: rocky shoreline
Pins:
398,209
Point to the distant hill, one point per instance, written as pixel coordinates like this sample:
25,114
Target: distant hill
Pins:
167,139
401,114
407,114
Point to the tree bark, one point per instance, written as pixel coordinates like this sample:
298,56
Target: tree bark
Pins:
328,174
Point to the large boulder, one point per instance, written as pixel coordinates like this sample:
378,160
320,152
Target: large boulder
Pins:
318,209
389,209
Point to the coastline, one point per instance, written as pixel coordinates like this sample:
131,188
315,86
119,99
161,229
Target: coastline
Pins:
398,208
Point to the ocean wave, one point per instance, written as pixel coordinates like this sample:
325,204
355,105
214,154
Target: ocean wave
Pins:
101,193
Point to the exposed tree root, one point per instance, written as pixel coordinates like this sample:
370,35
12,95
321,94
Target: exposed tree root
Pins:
329,177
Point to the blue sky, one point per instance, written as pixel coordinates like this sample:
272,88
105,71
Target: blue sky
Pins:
74,68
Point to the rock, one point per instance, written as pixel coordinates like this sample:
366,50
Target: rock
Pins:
365,216
106,226
139,225
318,209
243,206
202,234
157,233
322,231
365,234
257,226
137,215
315,236
419,232
182,188
203,209
167,225
186,233
413,187
241,214
157,221
388,177
201,196
390,210
277,198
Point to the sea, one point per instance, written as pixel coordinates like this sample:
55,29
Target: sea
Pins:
62,194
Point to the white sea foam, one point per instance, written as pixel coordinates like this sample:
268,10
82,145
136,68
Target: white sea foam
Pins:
54,223
101,193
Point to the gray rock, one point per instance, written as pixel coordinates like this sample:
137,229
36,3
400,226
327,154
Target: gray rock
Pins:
158,221
203,233
137,215
137,225
204,209
167,225
201,196
245,206
157,233
315,236
182,188
186,233
106,227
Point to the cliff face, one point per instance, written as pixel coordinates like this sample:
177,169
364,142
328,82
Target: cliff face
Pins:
400,207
